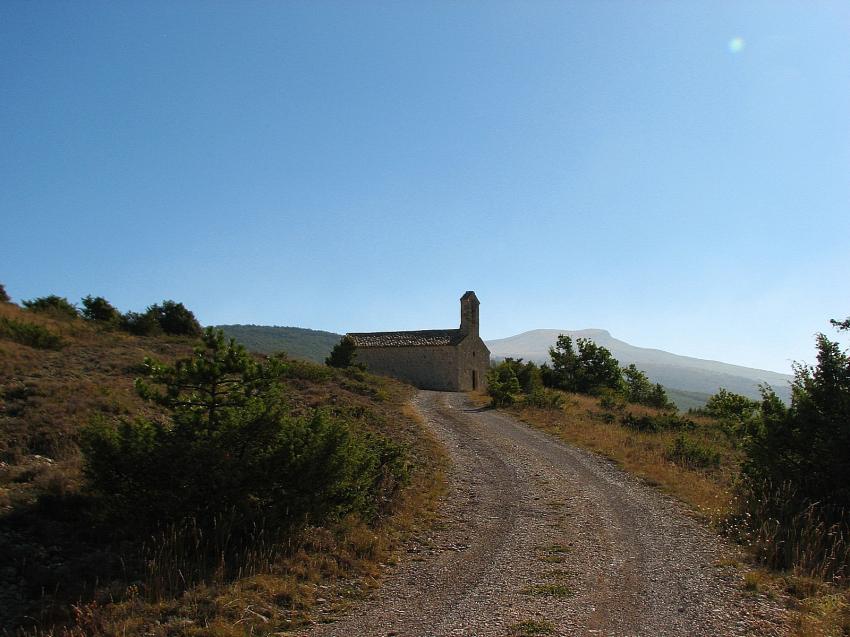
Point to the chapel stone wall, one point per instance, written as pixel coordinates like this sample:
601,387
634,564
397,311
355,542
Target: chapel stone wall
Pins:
426,367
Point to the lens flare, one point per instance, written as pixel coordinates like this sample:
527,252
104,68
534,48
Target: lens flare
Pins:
736,44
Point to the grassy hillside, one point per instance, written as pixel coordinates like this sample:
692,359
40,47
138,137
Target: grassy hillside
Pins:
297,342
61,570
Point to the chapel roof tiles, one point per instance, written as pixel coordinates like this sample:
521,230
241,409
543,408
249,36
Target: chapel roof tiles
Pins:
407,339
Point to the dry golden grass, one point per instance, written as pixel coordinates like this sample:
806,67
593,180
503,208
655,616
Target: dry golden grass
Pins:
584,423
46,396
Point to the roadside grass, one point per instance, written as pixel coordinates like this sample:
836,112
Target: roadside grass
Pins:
531,628
584,423
548,590
60,578
698,466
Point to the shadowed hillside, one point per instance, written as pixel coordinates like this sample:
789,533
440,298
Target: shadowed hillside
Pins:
686,378
67,563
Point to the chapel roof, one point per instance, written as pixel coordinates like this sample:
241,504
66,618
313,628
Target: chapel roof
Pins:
407,339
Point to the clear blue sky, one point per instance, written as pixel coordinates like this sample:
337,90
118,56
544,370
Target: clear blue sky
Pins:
356,166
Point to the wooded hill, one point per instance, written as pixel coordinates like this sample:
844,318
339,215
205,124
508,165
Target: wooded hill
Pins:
297,342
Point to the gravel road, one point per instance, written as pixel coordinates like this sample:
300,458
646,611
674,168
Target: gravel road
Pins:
536,533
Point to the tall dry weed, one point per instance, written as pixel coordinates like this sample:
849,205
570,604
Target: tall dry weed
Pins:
789,534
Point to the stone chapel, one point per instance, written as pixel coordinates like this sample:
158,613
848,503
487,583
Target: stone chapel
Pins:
447,360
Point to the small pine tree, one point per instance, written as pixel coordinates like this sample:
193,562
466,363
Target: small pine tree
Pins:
658,398
637,386
587,370
140,324
343,354
808,443
503,385
728,406
175,318
4,297
99,309
221,376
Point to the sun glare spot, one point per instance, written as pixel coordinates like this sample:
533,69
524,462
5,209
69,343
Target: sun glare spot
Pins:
736,44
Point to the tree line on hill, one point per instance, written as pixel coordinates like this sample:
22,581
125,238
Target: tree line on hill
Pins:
167,317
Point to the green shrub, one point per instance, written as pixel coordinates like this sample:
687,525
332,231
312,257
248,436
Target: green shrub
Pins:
639,389
545,398
140,324
528,374
29,334
692,454
796,478
168,317
583,369
737,415
343,354
55,306
4,297
611,399
502,385
657,423
174,318
99,309
728,405
232,449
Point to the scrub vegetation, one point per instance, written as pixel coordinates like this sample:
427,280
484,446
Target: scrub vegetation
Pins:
772,476
175,484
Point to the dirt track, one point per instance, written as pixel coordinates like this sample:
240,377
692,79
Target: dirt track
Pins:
536,531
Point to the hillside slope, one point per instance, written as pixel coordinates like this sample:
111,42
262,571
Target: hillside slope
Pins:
54,557
683,373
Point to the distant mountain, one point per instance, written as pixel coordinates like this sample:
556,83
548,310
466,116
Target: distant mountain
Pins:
297,342
689,380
